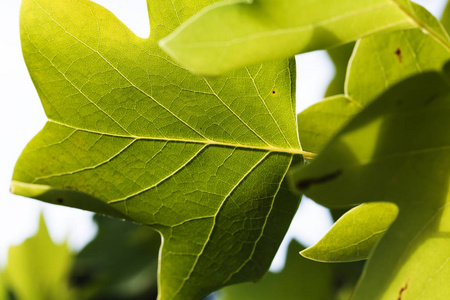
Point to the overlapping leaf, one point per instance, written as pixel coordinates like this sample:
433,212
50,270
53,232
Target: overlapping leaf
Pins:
132,134
391,58
398,148
233,34
378,62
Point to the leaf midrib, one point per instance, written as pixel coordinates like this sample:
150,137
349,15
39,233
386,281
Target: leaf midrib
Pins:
306,154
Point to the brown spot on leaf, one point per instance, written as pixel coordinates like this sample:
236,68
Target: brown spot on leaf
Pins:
402,290
306,183
398,53
60,200
273,92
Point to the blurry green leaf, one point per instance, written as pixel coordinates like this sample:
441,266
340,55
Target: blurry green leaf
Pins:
300,279
3,287
398,148
340,56
132,134
120,263
445,20
38,269
233,34
355,234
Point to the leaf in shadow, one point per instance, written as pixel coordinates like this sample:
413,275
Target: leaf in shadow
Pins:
398,148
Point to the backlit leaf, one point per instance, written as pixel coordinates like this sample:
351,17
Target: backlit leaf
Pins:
233,34
131,134
378,62
354,235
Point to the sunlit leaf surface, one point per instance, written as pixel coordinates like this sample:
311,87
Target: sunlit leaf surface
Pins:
355,234
131,134
233,34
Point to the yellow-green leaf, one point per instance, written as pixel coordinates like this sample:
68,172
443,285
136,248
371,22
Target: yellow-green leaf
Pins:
232,34
355,234
398,148
132,134
38,269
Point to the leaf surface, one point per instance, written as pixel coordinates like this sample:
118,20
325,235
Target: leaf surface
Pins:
233,34
355,234
132,134
399,149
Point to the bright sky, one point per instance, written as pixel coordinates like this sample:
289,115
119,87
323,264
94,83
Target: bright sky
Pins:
22,116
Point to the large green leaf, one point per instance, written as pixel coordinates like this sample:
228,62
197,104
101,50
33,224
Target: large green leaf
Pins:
38,269
355,234
398,148
132,134
233,34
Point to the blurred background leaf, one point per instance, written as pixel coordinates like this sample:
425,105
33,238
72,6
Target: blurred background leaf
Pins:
120,263
38,269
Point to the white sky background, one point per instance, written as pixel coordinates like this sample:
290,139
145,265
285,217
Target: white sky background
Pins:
22,116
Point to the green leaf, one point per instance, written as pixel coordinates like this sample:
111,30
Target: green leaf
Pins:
378,62
394,57
3,288
134,250
319,122
340,56
132,134
445,20
355,234
232,34
399,149
39,269
300,279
